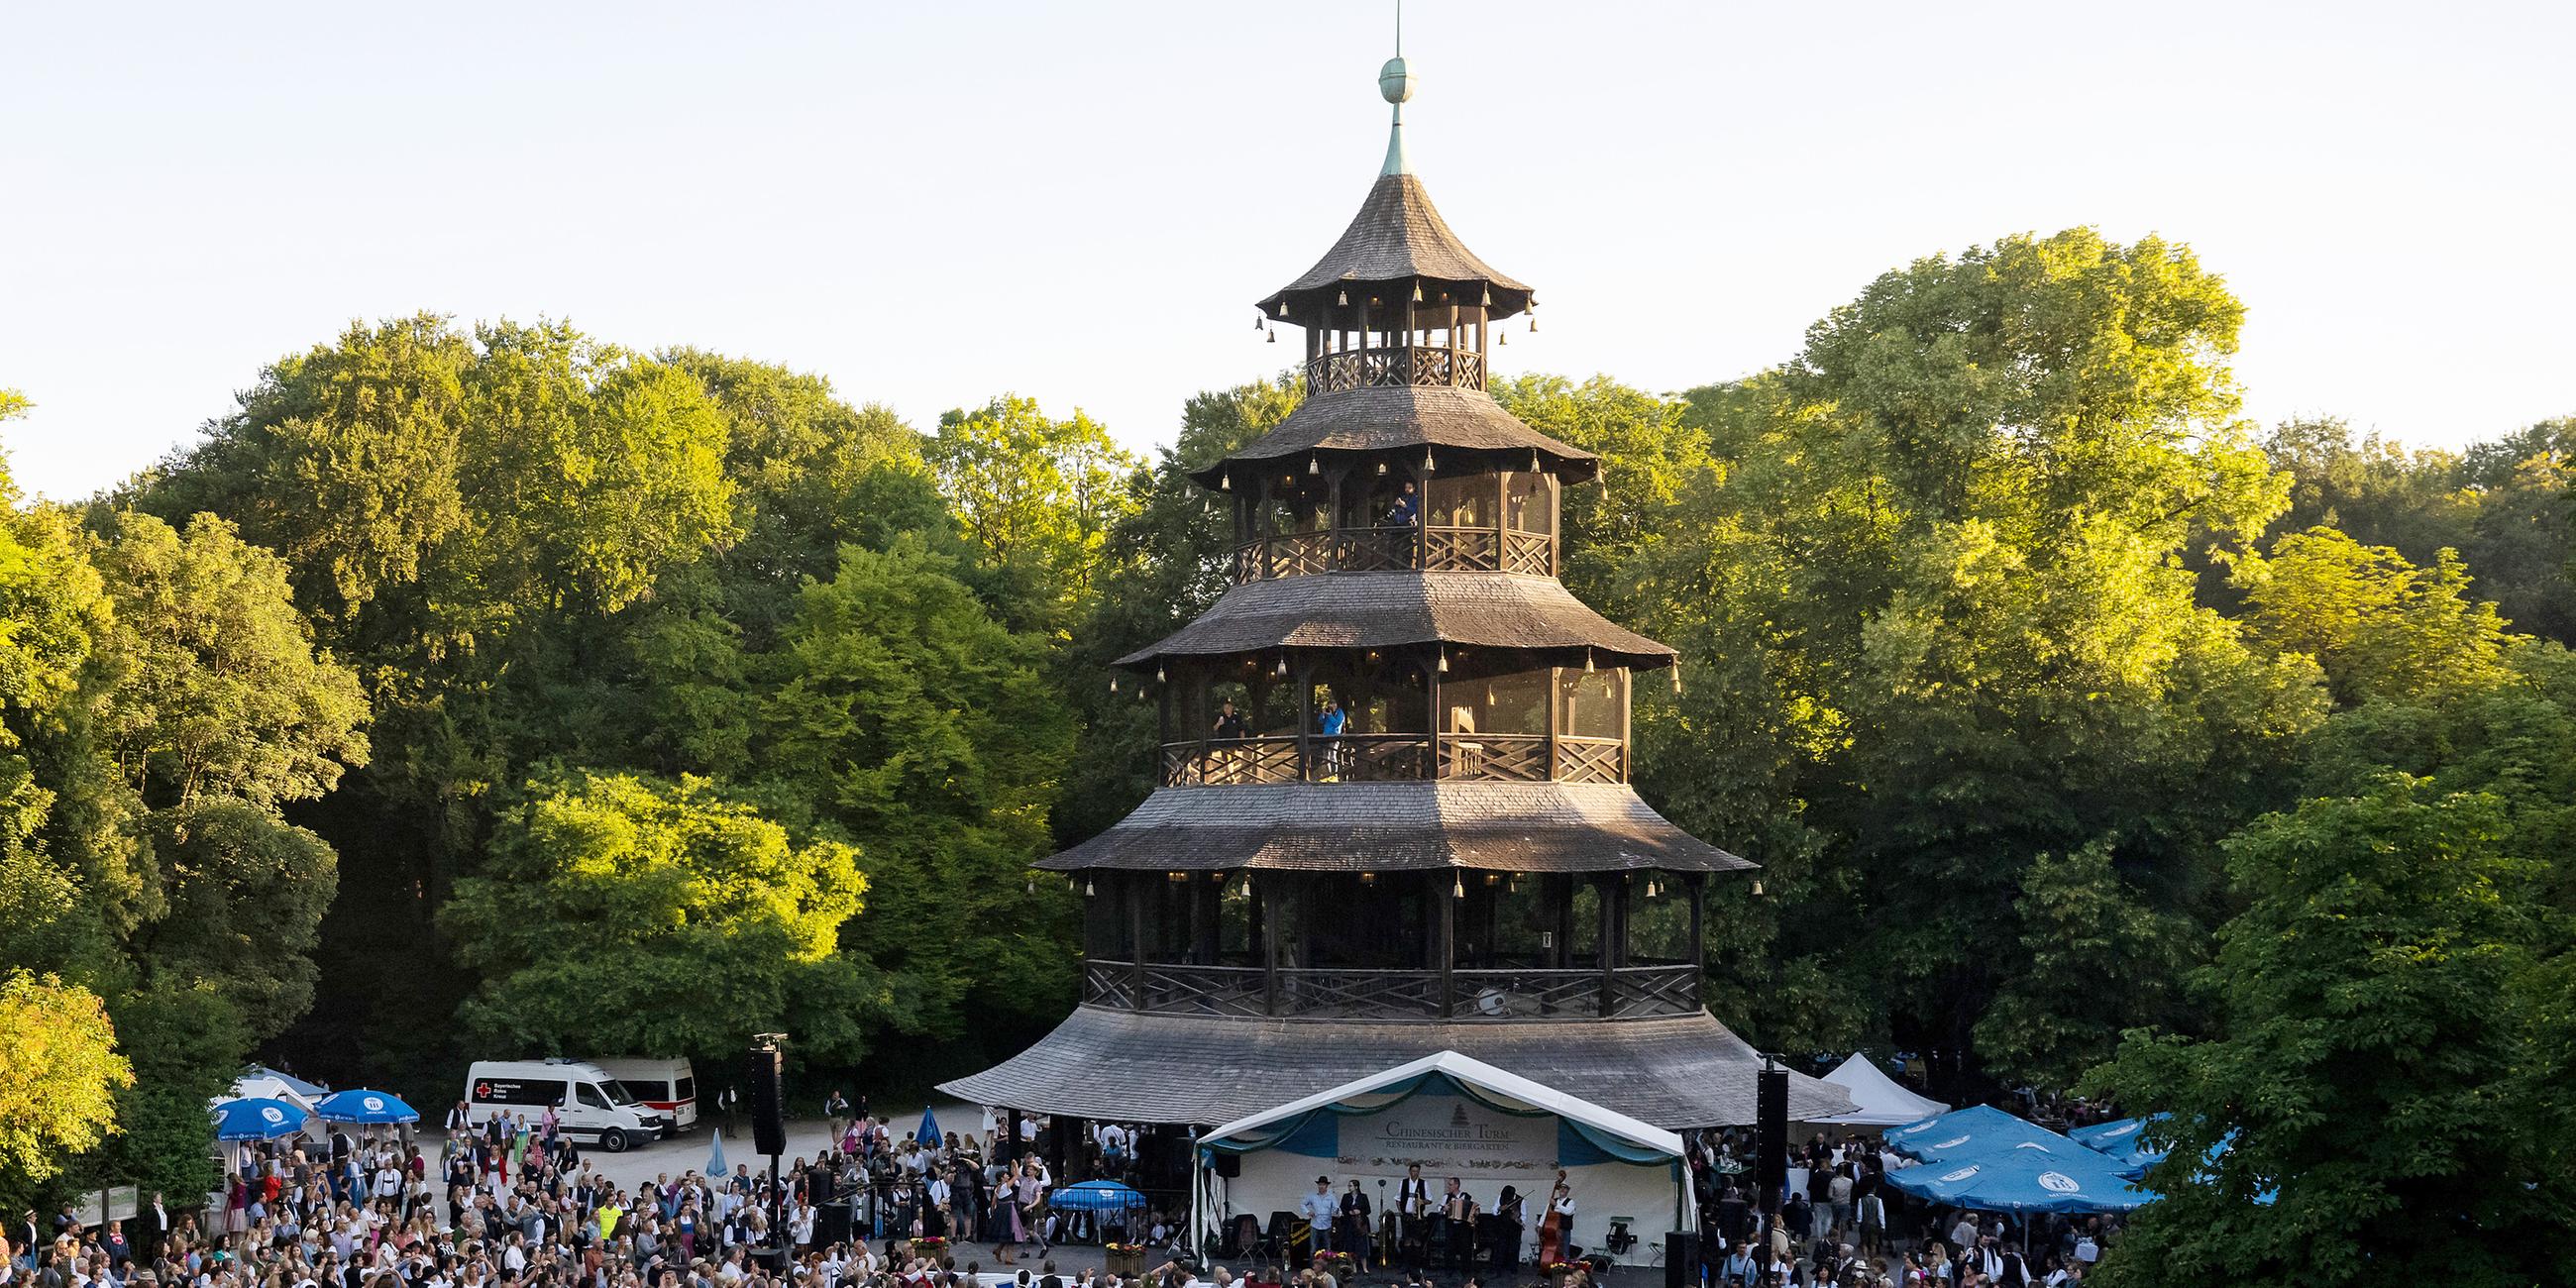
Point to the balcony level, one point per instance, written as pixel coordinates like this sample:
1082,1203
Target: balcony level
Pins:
1457,944
1394,758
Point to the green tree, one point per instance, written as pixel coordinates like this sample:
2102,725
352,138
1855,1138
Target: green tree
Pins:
64,1073
1037,497
2101,961
607,898
898,714
2378,1064
218,689
2380,626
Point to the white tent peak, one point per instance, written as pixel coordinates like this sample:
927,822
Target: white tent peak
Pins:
1883,1103
1502,1083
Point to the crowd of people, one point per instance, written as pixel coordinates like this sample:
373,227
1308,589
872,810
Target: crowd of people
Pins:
512,1202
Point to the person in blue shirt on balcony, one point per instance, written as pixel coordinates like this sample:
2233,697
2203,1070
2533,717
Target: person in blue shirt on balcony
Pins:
1331,724
1407,510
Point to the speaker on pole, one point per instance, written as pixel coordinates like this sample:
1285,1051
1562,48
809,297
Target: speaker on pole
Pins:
1771,1134
768,1122
1681,1260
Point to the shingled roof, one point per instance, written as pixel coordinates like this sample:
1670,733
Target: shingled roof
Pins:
1390,609
1397,827
1125,1066
1398,235
1385,417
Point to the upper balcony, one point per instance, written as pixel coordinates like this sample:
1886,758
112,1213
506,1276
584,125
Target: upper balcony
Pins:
1423,365
1445,548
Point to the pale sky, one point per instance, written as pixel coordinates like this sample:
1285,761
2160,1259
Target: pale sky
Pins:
933,203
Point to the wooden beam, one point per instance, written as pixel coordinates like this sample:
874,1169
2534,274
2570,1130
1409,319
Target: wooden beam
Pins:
1448,938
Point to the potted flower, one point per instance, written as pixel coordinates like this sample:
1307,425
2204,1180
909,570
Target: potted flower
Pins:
1125,1258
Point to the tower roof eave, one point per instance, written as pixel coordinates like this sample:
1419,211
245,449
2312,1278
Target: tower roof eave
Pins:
1399,235
1392,417
1380,610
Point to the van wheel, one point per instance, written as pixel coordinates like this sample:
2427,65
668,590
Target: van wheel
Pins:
613,1140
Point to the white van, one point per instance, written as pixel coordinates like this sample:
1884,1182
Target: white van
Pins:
667,1087
590,1105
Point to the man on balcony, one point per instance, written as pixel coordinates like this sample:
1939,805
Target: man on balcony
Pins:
1407,510
1331,724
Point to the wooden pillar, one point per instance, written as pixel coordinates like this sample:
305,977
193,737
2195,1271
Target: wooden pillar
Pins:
1555,526
1272,932
1208,902
1136,935
1442,882
1627,706
1304,676
1697,884
1612,890
1555,699
1431,691
1560,889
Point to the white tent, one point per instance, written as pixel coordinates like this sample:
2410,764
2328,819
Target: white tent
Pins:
1456,1115
1882,1102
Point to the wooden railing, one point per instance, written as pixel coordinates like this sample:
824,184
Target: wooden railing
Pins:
1394,757
1437,366
1345,993
1433,549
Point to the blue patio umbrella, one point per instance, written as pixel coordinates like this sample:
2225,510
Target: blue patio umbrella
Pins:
2118,1141
1096,1196
2024,1178
360,1105
928,1132
257,1118
715,1157
1968,1133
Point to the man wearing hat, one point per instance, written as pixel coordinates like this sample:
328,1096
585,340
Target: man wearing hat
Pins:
1319,1209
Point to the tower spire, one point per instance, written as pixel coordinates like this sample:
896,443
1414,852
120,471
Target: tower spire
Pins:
1395,83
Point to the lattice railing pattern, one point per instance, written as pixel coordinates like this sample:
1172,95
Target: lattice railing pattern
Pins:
1591,760
1205,990
1421,365
1519,993
1443,549
1532,553
1461,549
1391,757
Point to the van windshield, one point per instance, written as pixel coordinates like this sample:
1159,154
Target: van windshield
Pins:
617,1092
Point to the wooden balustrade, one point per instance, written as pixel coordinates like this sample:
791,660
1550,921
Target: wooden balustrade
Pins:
1437,366
1432,549
1478,994
1393,757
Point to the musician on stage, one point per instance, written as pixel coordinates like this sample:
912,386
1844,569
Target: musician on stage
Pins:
1353,1237
1458,1210
1413,1210
1556,1229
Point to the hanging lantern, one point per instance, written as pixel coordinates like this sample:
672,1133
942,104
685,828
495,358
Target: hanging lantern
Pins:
1283,665
1368,878
1677,676
1417,292
1225,482
1457,887
1313,466
1159,676
1757,887
1283,306
1113,684
1587,661
1140,693
1444,661
1032,886
1247,885
1381,469
1342,298
1501,336
1087,890
1533,460
1257,321
1488,300
1427,466
1274,336
1653,890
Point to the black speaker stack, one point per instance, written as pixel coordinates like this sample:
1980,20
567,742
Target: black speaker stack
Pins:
768,1120
1771,1134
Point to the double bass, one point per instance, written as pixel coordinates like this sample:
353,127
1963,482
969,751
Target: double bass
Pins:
1552,1227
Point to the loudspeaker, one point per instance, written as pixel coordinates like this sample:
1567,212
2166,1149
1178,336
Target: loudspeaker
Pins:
831,1224
1229,1165
768,1127
1681,1260
1771,1135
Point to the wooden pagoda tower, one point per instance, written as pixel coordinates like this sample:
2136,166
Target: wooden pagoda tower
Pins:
1463,865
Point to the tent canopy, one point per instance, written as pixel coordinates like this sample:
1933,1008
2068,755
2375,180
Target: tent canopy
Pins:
1617,1134
1883,1103
1964,1134
1096,1196
2027,1177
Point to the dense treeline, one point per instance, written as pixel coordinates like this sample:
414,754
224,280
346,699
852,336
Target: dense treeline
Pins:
643,701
